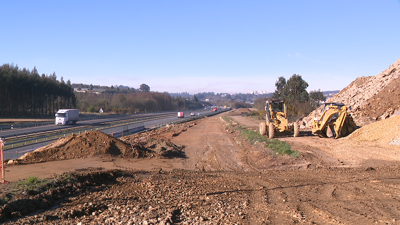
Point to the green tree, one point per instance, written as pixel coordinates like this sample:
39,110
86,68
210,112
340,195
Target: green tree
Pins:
294,93
195,98
280,85
316,97
144,88
295,89
292,90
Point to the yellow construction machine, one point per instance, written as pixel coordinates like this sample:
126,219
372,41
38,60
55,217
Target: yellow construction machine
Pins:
334,121
276,120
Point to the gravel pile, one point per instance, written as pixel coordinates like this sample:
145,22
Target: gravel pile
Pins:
384,132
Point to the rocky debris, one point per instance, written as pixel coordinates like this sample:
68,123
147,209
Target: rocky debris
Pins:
370,98
124,197
188,197
68,186
166,132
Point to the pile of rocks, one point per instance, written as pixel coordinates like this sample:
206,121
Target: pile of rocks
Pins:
370,98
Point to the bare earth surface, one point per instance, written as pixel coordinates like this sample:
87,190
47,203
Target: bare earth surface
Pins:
204,173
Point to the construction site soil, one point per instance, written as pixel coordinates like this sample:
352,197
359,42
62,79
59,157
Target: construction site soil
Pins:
204,172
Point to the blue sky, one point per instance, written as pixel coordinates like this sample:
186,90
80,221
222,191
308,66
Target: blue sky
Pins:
225,46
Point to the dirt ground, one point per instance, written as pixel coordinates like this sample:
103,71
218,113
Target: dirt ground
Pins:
204,173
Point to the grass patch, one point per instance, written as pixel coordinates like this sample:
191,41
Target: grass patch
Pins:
253,137
259,115
31,185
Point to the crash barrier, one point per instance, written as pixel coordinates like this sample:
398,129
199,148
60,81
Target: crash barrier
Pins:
25,125
186,119
37,124
128,131
124,120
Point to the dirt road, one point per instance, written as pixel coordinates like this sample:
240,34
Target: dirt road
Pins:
223,180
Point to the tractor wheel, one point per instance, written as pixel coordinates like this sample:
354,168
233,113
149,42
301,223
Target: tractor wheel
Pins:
263,128
296,129
271,131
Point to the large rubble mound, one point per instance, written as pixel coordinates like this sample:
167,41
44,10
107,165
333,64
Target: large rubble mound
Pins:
371,98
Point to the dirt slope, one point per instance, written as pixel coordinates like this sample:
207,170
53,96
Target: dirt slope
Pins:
371,98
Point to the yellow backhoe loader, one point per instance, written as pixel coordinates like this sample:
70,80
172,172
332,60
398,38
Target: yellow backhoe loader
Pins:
334,121
276,120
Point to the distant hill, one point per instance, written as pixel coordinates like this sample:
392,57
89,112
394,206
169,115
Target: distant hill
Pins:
330,93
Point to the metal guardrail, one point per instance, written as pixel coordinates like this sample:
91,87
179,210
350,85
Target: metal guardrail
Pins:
127,131
25,125
81,118
37,124
186,119
60,129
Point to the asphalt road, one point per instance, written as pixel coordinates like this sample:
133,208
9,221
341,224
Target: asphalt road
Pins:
17,152
38,129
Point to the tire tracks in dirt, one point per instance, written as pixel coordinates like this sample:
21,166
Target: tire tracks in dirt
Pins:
208,148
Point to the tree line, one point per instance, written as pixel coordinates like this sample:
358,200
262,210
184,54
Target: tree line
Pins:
26,93
134,102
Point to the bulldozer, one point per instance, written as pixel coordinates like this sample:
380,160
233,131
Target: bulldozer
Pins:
334,121
277,121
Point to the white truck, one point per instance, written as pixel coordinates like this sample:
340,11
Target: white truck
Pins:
180,115
67,116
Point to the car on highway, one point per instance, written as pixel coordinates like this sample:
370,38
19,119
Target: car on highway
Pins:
192,114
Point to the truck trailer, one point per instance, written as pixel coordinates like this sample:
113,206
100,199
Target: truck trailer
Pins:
67,116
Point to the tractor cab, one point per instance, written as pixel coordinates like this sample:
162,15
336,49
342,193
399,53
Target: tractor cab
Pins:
331,105
275,108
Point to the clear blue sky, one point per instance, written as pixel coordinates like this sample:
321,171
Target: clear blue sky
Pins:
202,45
